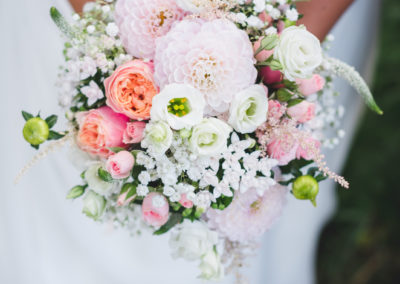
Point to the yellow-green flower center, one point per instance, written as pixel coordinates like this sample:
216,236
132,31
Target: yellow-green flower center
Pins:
179,107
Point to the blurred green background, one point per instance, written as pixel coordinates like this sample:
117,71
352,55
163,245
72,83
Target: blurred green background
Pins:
361,244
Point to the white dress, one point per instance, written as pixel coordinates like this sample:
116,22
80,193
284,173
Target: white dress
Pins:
44,238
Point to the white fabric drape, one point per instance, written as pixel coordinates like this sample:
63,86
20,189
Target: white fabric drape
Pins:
44,238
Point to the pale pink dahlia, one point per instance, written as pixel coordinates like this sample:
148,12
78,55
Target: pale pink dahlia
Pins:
215,57
140,22
249,215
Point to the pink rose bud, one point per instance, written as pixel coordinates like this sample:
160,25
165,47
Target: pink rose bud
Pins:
134,132
155,209
302,112
264,54
185,202
270,76
280,26
122,201
120,165
310,86
275,110
263,16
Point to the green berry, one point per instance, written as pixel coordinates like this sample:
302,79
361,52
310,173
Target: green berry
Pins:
36,131
306,188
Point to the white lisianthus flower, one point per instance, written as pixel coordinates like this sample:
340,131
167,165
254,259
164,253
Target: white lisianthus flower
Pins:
211,267
209,137
180,105
193,6
299,52
93,205
158,137
248,109
95,183
192,240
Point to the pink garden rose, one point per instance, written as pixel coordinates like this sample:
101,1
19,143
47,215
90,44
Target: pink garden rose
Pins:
270,76
99,129
155,209
134,132
302,112
275,110
120,164
185,202
263,55
131,88
310,86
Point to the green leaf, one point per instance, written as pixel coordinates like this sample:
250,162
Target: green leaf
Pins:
27,115
268,43
320,177
116,149
311,171
61,23
35,146
294,102
53,135
298,164
76,191
286,182
284,95
131,192
104,175
354,78
51,120
275,65
174,219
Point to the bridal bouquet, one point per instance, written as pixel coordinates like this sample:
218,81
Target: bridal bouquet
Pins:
197,117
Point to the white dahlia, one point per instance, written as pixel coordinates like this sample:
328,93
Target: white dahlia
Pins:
140,22
215,57
249,215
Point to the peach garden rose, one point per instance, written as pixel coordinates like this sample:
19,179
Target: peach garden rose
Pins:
131,88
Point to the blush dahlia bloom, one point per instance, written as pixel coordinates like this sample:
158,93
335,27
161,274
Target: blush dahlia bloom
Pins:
283,148
99,129
215,57
131,88
249,215
140,22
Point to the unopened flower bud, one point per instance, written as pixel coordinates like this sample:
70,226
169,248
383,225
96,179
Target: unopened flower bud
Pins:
76,191
306,188
36,131
93,205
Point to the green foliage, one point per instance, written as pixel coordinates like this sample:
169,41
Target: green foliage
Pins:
174,219
104,175
26,115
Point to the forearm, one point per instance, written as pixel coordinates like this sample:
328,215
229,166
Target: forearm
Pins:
321,15
78,4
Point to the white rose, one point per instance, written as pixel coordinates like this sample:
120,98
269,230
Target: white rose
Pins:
158,137
95,183
210,137
299,52
180,105
210,266
248,109
192,240
193,6
93,205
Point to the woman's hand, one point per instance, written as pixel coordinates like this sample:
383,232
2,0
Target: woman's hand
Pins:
321,15
78,4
